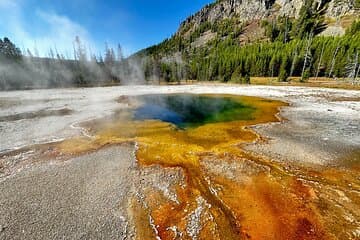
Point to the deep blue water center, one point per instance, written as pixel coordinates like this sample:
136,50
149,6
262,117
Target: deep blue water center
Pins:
190,110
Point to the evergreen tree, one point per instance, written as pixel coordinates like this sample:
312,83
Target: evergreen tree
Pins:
9,50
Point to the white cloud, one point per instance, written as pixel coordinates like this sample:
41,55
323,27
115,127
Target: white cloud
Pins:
61,33
57,30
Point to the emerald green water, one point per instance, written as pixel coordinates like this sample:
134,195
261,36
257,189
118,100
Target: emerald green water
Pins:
190,110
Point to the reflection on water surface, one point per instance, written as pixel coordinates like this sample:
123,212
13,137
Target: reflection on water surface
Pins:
189,110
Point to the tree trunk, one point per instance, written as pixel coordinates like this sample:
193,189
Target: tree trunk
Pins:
319,65
307,56
333,60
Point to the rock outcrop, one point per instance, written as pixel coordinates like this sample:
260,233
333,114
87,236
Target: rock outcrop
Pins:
253,10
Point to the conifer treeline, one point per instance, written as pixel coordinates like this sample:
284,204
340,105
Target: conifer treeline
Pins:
294,48
327,56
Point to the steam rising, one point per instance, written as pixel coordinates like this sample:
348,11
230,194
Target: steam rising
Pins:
61,54
18,71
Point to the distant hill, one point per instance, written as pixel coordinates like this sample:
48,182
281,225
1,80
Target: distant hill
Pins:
227,17
227,41
205,45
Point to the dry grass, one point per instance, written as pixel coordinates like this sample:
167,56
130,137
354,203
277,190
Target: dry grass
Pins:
344,21
273,81
312,82
347,20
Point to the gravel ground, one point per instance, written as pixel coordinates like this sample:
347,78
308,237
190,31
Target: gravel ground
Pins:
83,198
78,199
310,107
87,197
318,130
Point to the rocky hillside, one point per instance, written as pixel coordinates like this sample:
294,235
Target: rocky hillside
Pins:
248,14
244,19
259,38
249,10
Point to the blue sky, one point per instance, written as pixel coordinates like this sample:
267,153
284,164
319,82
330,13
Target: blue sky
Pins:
135,24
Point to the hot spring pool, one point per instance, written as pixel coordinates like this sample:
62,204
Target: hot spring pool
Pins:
190,110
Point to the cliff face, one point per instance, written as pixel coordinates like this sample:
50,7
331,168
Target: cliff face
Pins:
334,8
249,21
248,11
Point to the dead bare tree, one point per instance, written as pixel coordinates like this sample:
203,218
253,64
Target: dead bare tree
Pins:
352,68
307,56
51,54
295,55
80,50
320,62
36,51
74,52
357,75
332,65
58,55
120,55
29,53
286,32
